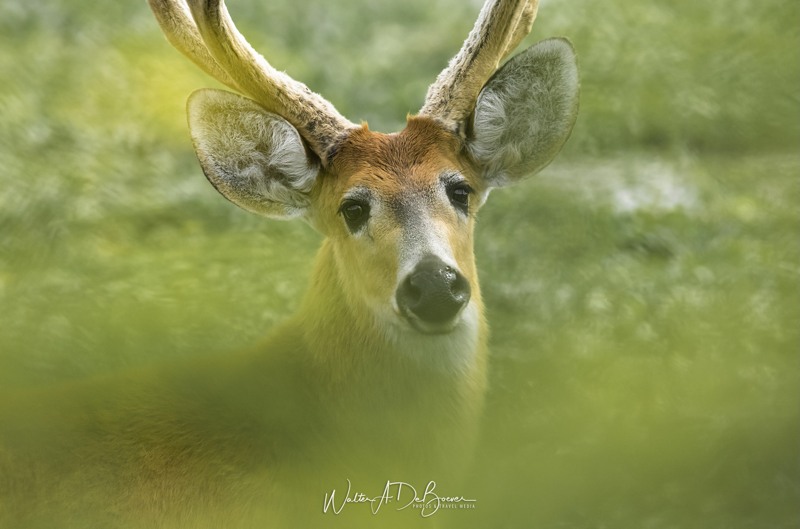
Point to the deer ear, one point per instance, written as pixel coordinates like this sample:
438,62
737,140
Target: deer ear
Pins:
525,112
254,158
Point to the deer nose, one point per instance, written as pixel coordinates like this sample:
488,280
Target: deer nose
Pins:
433,292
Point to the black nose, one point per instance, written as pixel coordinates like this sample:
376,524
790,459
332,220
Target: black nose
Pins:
433,292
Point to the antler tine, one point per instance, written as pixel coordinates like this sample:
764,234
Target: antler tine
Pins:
501,26
314,117
178,26
523,27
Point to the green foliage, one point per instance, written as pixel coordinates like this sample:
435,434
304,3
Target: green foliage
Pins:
645,337
643,292
709,76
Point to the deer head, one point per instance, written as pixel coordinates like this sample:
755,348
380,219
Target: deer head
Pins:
398,209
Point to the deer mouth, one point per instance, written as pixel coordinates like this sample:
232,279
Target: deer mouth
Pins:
442,326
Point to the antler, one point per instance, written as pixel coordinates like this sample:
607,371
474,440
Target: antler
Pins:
204,32
501,26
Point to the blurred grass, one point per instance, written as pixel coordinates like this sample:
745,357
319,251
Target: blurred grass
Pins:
644,292
645,361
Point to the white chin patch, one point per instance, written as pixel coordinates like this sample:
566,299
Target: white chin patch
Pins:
451,351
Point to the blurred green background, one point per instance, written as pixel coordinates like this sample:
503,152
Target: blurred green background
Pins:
644,290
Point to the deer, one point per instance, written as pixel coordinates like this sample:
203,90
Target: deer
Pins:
382,372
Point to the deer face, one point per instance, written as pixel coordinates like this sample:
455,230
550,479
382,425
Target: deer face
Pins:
398,209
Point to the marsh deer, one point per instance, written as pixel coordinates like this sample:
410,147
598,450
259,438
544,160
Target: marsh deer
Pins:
381,373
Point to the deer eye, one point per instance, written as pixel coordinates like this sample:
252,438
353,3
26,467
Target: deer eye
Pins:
355,213
459,196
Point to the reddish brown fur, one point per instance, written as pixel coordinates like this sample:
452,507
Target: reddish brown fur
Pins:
394,167
390,163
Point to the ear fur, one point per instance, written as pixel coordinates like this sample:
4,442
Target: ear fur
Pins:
525,113
254,158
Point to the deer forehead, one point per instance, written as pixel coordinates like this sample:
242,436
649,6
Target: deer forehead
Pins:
398,167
